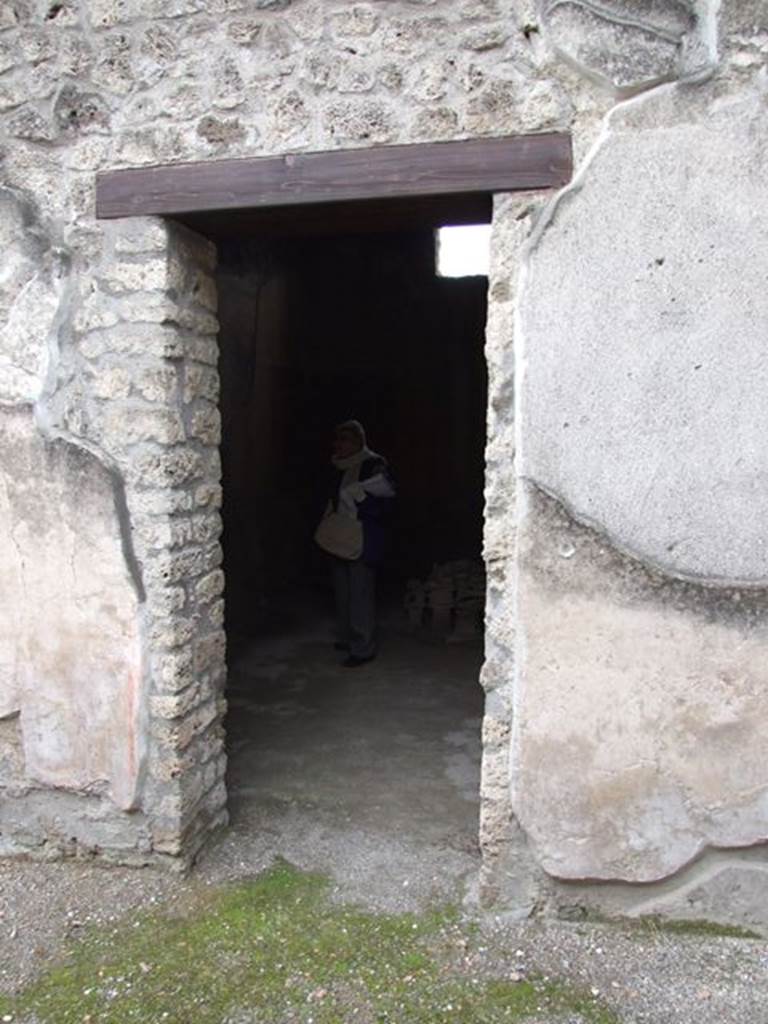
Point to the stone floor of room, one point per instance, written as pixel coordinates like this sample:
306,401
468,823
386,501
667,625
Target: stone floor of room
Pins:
370,774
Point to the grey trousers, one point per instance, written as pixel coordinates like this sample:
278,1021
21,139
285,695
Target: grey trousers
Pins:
355,587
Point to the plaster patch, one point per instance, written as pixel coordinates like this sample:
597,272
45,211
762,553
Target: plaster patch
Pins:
32,279
644,363
637,738
70,650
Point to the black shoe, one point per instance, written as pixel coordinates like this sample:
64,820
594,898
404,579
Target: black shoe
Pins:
339,646
354,662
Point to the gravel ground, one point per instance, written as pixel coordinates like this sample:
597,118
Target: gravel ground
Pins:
647,976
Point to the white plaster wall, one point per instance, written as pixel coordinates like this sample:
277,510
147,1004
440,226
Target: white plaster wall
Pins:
639,736
69,617
644,365
639,731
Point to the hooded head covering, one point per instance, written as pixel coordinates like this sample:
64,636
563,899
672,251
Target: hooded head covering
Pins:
353,427
357,428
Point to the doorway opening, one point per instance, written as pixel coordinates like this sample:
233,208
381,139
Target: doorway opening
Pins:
324,320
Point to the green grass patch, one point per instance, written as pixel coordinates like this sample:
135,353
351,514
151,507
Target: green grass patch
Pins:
656,924
276,950
696,926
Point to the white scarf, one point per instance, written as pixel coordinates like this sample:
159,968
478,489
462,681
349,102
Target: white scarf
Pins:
351,489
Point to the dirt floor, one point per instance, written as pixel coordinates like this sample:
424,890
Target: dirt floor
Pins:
368,777
372,773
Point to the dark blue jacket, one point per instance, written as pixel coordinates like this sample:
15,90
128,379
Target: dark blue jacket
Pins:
373,513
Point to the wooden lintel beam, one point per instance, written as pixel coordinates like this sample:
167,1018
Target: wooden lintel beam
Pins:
440,168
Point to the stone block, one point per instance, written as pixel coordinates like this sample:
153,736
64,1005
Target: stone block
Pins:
158,384
201,382
94,313
176,705
209,652
197,321
438,122
161,502
213,556
178,734
624,44
163,532
209,587
170,632
170,567
164,600
220,131
320,71
202,350
245,31
356,20
167,838
140,275
208,495
13,92
206,527
79,111
489,38
205,425
189,248
111,383
27,123
173,672
128,424
9,57
140,235
131,339
166,468
290,114
206,751
363,121
216,614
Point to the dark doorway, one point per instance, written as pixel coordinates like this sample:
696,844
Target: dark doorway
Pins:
315,330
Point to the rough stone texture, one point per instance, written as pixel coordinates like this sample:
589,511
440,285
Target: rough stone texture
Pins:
628,45
109,329
506,867
639,416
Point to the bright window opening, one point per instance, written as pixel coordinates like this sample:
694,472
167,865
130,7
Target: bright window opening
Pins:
464,251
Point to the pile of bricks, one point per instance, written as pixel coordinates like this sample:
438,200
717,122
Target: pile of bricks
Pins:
450,601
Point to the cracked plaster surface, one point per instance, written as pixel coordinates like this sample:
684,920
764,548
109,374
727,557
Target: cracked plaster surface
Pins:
643,353
70,650
33,276
624,677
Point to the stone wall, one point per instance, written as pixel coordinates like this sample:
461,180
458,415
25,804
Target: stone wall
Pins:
637,595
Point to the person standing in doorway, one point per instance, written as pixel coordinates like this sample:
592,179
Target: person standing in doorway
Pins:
354,532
